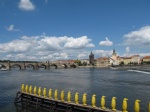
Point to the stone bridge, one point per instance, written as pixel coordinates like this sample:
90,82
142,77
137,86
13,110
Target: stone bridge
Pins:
37,65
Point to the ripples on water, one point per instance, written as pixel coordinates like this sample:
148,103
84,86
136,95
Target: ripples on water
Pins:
120,83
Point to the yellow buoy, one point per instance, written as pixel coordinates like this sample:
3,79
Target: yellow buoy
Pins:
113,103
62,96
93,100
69,97
39,91
84,99
26,89
34,90
149,107
76,98
22,88
44,92
103,102
50,93
137,106
30,89
56,94
124,105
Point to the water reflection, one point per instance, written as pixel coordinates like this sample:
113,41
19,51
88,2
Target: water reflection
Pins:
108,82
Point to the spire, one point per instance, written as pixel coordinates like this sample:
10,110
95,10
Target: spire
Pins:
114,51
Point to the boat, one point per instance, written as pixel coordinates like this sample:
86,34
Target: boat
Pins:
113,67
3,69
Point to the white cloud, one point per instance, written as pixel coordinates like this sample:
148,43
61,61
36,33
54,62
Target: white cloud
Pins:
11,28
51,43
59,43
46,1
102,53
55,56
131,54
107,42
20,57
144,54
82,56
15,46
45,48
140,37
9,56
127,49
80,42
26,5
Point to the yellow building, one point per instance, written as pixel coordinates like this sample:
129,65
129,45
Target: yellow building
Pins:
146,59
136,59
125,60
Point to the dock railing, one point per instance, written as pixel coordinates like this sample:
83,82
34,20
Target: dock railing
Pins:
44,97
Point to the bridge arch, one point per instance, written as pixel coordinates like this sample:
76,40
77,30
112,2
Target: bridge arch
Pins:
73,66
2,65
64,66
42,66
54,65
30,65
15,65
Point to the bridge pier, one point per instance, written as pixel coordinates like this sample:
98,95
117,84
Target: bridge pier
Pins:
22,67
8,67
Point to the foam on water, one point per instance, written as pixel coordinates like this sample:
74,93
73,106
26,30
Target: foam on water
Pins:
139,71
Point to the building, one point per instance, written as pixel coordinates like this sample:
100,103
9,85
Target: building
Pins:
71,61
91,58
103,62
114,59
146,59
136,59
86,61
125,60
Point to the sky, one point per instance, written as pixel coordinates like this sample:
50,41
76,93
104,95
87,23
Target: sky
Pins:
45,30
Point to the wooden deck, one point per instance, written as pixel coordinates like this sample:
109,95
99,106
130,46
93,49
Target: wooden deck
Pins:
55,105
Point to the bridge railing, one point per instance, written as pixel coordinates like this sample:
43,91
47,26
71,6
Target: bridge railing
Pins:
54,95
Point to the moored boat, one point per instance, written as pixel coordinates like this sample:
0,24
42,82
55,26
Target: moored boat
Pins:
3,69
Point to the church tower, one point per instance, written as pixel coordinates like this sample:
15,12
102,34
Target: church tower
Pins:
91,58
114,53
114,58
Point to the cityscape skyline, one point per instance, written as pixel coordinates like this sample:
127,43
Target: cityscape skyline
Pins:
71,29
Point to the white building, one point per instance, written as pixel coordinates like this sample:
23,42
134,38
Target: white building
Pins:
136,59
85,61
114,59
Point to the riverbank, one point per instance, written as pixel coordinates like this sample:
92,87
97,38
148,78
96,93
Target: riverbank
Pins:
137,67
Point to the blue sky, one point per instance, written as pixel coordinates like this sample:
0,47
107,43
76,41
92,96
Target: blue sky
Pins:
70,29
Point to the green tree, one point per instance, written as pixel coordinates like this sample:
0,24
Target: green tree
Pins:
78,62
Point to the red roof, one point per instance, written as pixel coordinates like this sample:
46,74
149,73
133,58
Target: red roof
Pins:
146,57
102,58
126,57
71,61
135,56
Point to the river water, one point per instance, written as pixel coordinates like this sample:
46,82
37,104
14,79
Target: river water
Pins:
129,84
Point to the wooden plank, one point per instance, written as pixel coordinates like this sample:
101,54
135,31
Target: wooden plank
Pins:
45,101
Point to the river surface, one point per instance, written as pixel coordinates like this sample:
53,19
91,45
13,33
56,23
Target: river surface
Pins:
129,84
